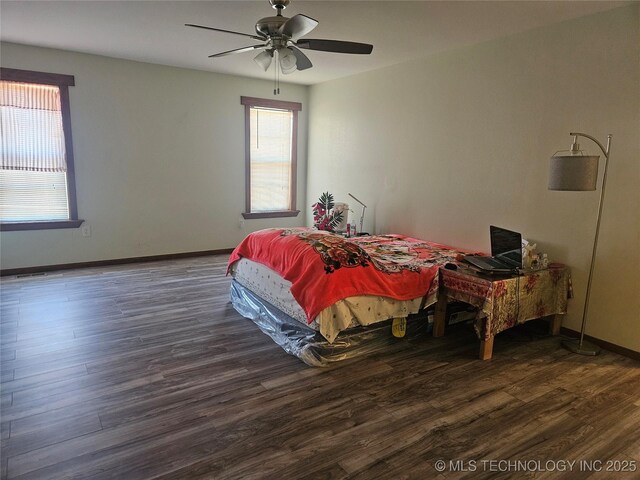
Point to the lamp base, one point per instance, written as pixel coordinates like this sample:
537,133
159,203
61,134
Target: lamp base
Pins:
585,348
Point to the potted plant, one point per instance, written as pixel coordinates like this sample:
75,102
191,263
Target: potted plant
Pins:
325,217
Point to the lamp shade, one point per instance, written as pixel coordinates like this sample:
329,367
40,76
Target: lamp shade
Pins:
264,59
287,60
573,172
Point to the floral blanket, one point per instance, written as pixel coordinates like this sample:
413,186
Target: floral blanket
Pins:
324,267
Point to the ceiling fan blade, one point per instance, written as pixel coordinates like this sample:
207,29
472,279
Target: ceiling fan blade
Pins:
238,50
336,46
298,26
255,37
303,61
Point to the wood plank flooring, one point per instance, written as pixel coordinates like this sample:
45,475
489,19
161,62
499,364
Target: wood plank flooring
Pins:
146,371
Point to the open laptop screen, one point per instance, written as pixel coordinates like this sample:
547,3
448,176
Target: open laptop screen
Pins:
506,243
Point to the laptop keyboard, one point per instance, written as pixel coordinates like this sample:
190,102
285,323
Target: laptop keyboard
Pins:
491,262
487,263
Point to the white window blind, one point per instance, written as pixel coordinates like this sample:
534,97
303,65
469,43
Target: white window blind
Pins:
33,196
271,136
33,165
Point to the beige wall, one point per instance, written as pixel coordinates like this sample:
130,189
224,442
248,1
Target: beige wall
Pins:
159,157
443,147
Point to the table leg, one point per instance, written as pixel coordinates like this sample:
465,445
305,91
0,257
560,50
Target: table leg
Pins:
555,324
439,317
486,348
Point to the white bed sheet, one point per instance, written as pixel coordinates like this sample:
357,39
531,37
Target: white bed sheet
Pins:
350,312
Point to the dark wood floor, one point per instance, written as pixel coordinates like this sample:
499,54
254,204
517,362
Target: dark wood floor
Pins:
146,371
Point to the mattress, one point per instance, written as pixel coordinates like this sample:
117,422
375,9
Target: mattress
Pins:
362,310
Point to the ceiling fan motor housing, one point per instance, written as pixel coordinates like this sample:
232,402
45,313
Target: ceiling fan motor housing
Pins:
269,26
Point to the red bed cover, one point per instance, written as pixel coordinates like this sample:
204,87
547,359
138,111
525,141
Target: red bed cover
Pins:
324,267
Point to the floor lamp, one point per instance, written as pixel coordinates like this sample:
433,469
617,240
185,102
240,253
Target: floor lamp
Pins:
579,172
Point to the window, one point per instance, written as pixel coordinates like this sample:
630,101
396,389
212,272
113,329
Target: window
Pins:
271,137
37,186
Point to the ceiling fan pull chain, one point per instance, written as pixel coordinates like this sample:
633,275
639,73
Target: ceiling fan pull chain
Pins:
275,72
276,81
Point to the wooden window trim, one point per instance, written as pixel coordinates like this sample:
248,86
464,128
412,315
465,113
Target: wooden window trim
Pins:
294,107
275,214
63,82
40,225
269,103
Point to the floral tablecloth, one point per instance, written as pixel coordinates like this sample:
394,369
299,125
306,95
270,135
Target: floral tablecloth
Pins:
506,302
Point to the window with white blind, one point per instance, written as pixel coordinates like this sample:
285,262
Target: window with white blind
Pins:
37,188
270,154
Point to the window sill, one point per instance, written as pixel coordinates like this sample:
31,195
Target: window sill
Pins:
42,225
284,213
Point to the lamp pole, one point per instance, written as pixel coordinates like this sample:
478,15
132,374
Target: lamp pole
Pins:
580,348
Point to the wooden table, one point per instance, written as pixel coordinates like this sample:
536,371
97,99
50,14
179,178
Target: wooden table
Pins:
504,302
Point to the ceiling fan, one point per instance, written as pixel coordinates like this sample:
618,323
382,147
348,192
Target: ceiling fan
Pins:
282,39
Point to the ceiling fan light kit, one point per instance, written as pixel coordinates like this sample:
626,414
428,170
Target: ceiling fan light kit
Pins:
281,37
287,60
264,60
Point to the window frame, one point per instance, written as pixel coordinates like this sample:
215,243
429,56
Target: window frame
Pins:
63,82
294,108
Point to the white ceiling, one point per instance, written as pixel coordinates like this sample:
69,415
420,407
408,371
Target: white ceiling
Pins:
154,31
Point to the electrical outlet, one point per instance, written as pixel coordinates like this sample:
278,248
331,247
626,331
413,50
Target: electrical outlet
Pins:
86,230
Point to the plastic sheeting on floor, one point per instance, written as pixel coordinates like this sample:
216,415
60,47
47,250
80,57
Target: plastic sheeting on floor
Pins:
308,344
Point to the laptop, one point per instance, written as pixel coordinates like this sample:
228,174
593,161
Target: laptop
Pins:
506,252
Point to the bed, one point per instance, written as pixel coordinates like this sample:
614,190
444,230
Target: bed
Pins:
324,297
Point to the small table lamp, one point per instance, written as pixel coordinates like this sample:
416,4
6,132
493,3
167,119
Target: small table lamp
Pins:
364,207
579,172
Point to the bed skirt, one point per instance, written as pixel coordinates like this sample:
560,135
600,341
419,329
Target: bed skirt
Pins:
308,344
